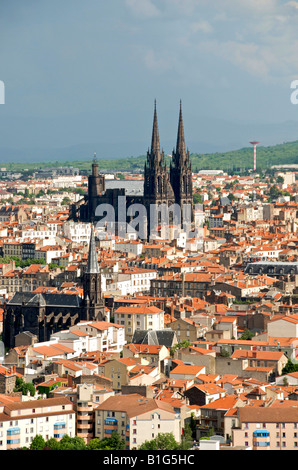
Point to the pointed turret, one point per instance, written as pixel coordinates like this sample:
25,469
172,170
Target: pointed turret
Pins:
181,170
180,146
93,301
155,170
92,263
155,144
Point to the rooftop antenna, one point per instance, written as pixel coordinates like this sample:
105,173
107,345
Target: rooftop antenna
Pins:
254,143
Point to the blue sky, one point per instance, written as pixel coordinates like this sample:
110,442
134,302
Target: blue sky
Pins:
79,73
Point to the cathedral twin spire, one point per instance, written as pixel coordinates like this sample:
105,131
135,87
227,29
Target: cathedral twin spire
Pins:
155,167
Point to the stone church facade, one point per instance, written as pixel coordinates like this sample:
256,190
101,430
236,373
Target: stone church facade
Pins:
45,314
161,187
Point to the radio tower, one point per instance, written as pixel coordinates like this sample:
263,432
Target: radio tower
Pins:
254,143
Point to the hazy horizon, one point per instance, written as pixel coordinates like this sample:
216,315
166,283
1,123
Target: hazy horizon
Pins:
83,77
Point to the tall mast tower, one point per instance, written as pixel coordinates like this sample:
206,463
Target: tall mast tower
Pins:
254,143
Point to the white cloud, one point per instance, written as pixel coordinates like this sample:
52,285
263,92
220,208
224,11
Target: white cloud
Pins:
143,8
155,63
201,26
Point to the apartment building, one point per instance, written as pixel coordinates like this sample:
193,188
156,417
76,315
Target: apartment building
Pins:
187,329
131,281
102,335
266,428
129,246
25,280
118,370
136,419
77,232
49,252
7,379
139,318
20,422
194,284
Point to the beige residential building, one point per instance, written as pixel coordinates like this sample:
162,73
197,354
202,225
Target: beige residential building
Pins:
153,353
118,370
20,422
187,329
266,428
139,318
136,419
286,326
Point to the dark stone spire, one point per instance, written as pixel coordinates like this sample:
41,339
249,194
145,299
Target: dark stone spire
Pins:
180,170
157,186
92,263
155,144
94,308
180,146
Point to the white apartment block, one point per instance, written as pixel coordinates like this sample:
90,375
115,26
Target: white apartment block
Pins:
130,282
38,234
20,422
103,336
48,253
77,232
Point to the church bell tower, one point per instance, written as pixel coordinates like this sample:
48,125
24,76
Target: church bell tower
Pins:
94,307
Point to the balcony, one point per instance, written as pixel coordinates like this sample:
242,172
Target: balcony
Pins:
13,431
59,426
111,422
86,425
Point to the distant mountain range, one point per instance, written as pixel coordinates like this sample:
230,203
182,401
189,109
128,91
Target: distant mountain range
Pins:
239,160
203,135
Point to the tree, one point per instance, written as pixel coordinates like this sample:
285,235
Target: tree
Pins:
65,201
289,367
247,335
280,180
72,443
186,439
182,344
197,198
112,443
115,441
94,444
163,441
38,443
52,444
274,192
24,387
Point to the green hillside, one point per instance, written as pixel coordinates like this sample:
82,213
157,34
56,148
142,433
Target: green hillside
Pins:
282,154
242,159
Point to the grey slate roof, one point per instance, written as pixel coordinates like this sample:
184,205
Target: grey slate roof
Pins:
46,300
165,337
274,268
